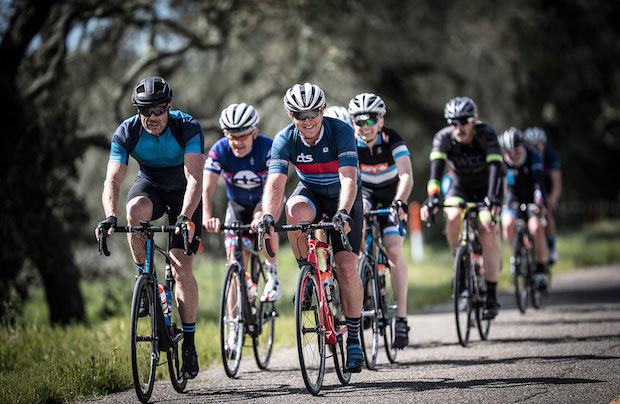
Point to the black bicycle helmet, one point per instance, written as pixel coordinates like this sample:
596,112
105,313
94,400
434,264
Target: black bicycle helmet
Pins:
151,91
460,107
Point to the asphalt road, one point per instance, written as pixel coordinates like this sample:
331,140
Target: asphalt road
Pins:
566,352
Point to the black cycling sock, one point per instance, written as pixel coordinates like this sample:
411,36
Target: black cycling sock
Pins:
189,330
491,290
541,268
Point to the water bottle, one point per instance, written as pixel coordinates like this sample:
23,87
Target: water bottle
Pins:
381,265
168,300
327,279
164,303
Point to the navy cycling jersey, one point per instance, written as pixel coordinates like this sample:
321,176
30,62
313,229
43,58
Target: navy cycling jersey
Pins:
378,164
551,162
522,179
317,166
160,157
469,163
244,176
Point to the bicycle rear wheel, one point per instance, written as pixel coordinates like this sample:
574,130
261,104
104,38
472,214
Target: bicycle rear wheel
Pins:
262,339
338,352
144,349
370,314
462,294
388,307
231,320
309,330
519,273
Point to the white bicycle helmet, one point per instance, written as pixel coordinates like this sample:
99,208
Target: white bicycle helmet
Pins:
367,103
510,139
460,107
303,97
339,112
535,135
237,116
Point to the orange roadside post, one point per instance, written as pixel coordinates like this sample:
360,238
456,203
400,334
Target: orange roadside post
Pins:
415,229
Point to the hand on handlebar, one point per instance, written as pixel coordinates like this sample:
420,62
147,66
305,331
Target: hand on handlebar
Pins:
212,224
185,223
343,217
429,207
107,225
400,207
266,225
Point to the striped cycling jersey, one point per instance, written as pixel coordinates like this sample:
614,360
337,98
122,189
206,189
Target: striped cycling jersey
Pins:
161,158
378,164
469,162
317,166
245,176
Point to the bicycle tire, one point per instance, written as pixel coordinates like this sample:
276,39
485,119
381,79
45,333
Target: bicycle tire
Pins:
462,294
144,349
337,350
262,339
388,308
231,320
174,365
369,337
484,325
519,273
536,295
310,333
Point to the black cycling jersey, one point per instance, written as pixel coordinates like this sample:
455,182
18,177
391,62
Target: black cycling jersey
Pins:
523,179
378,164
473,165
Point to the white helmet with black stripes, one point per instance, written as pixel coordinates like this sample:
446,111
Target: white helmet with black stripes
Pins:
238,116
303,97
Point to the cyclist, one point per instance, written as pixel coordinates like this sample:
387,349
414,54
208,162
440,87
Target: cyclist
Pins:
473,153
324,154
552,169
339,112
242,158
387,179
524,185
168,146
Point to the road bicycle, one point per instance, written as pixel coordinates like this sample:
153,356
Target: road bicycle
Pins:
523,260
469,287
379,311
319,319
154,314
241,315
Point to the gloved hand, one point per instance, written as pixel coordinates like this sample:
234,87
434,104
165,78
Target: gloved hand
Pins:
343,216
266,224
106,225
191,227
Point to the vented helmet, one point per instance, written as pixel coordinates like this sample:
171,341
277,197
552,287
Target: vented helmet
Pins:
510,139
460,107
239,117
535,135
367,103
339,112
151,91
303,97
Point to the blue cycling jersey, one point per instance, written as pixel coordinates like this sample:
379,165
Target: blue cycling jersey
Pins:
244,176
551,162
317,166
160,157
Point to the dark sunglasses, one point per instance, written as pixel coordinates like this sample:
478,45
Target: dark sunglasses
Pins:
301,116
464,120
366,122
147,111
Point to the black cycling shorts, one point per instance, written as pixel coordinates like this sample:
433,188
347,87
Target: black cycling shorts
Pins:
173,200
236,212
377,198
329,206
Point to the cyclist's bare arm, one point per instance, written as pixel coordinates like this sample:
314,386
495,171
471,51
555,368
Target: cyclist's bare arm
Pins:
115,175
208,190
405,182
556,178
194,163
273,193
348,190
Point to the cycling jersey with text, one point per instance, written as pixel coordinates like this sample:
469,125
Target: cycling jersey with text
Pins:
378,164
161,157
245,176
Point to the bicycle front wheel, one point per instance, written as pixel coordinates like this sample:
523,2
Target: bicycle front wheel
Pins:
262,340
462,294
388,308
174,365
536,294
231,320
310,331
519,276
370,314
144,349
338,353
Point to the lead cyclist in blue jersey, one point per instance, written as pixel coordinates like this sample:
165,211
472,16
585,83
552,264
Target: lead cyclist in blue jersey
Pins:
168,145
324,155
242,158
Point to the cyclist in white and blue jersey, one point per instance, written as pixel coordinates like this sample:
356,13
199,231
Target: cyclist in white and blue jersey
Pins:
324,155
387,179
168,145
241,157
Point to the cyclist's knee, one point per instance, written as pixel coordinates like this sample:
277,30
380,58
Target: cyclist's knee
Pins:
299,209
139,208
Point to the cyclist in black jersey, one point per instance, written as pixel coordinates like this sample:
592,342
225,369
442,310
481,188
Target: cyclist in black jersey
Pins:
524,185
168,145
471,149
387,178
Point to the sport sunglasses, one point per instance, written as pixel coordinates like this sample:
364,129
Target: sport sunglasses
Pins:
464,120
147,111
300,116
365,122
229,134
